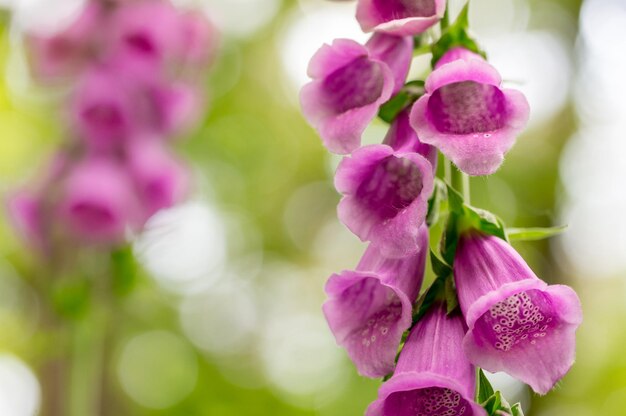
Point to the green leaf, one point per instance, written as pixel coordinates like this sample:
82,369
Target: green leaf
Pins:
485,390
535,233
403,99
435,291
450,238
455,201
124,270
452,301
71,297
434,203
456,35
488,222
440,267
516,410
492,404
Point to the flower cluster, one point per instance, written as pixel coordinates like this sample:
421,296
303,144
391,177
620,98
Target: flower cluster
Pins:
508,320
133,70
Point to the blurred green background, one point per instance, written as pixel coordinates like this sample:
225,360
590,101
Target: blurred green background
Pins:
224,317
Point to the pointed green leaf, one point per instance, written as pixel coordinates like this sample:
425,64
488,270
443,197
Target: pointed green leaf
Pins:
439,266
456,35
452,301
516,410
403,99
485,390
455,200
535,233
435,291
434,203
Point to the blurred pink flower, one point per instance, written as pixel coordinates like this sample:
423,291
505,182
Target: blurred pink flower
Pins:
399,17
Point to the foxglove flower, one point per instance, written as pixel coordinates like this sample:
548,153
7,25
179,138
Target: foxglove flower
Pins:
370,308
161,180
146,34
433,377
402,137
399,17
199,39
385,197
103,110
517,323
97,202
348,87
467,115
396,52
63,54
25,211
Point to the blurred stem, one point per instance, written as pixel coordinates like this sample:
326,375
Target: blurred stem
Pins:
459,181
86,361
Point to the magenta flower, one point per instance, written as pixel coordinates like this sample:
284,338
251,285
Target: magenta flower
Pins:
25,211
467,115
517,323
171,107
65,53
199,38
433,377
161,180
97,202
348,87
369,309
385,197
402,137
103,109
399,17
146,34
396,52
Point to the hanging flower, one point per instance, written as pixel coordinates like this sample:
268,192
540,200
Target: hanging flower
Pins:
399,17
369,308
467,115
517,323
348,87
385,197
433,377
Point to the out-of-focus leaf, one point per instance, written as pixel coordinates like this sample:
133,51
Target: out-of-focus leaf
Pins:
534,233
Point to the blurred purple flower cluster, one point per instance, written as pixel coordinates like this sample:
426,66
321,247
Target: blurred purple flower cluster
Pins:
509,320
134,71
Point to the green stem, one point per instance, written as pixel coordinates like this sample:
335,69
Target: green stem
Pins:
86,362
460,182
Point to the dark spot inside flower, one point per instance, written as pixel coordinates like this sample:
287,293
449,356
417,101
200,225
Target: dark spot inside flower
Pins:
391,186
400,9
467,107
354,85
91,216
433,401
103,117
141,43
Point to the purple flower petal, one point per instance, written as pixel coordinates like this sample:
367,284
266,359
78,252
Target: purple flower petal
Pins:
517,323
467,116
369,309
396,52
399,17
433,376
97,202
162,180
385,197
402,137
347,89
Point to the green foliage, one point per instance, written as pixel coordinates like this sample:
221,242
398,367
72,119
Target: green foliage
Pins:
124,270
534,233
456,35
493,402
402,100
71,297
